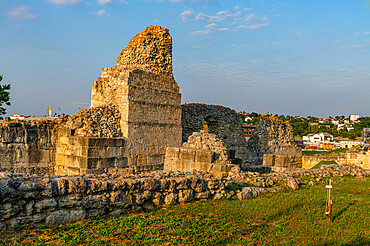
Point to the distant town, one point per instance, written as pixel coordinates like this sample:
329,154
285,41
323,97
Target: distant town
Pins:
314,133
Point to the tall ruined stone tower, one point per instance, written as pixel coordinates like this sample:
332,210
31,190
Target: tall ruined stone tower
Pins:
142,87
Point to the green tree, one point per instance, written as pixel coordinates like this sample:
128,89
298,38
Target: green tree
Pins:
4,96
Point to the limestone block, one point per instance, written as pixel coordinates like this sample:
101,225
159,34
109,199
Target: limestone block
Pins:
204,156
172,152
187,154
65,132
65,216
269,160
12,134
64,140
141,160
282,161
186,166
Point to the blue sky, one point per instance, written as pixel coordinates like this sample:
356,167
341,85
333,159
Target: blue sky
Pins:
285,57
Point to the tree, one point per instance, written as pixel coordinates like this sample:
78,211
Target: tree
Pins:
4,96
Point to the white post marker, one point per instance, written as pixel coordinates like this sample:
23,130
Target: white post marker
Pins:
329,202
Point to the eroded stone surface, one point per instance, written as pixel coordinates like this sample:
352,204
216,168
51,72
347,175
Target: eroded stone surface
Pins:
221,121
203,152
143,89
207,141
101,121
274,138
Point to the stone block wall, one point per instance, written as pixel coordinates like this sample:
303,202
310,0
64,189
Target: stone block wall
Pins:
286,161
360,159
221,121
273,136
188,160
27,146
202,152
87,155
27,199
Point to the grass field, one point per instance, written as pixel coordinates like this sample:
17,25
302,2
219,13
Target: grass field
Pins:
328,153
284,218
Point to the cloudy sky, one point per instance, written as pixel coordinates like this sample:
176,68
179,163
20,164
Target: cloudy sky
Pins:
286,57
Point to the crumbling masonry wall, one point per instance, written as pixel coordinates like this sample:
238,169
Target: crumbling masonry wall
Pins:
272,144
202,152
143,89
221,121
27,146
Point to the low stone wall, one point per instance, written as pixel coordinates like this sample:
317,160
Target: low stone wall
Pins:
285,161
187,160
32,199
87,155
202,152
360,159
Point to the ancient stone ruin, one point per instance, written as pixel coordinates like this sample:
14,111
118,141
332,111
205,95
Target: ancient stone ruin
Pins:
203,151
221,121
28,146
272,144
136,114
112,152
146,118
143,89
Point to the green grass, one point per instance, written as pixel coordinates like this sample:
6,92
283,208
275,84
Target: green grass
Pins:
328,153
318,165
284,218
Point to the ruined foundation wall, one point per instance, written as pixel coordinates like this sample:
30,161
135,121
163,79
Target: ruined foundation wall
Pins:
27,146
359,159
223,122
274,137
76,155
202,152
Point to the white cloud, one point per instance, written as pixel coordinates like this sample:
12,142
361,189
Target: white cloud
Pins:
213,27
66,2
234,19
201,17
354,46
102,12
251,17
252,26
185,15
103,2
22,13
219,16
363,33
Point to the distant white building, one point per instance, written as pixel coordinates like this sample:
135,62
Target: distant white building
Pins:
347,143
341,126
17,116
248,118
318,137
349,128
335,122
354,117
